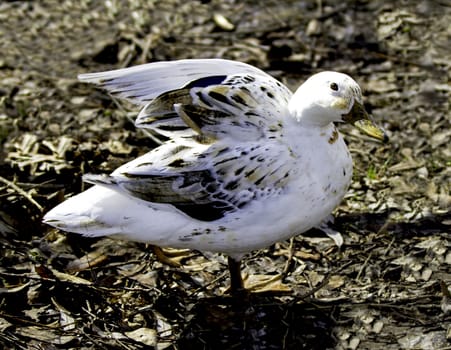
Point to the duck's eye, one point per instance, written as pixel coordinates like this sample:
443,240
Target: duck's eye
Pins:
334,86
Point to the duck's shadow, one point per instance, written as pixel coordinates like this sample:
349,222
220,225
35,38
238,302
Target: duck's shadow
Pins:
272,322
258,322
378,222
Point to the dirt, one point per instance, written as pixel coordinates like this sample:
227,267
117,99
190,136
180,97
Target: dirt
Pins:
387,287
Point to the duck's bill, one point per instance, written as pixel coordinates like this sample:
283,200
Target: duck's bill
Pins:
362,121
370,128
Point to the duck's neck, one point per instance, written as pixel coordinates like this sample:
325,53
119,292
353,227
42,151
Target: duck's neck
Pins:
302,133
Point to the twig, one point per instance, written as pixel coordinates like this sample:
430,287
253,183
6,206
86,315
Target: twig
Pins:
21,192
290,258
323,283
363,266
24,321
311,292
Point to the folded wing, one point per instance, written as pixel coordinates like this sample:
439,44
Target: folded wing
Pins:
223,180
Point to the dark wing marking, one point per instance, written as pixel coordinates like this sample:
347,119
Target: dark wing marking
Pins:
206,81
195,193
242,106
229,180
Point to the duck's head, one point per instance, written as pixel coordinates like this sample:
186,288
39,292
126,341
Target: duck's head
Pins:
329,97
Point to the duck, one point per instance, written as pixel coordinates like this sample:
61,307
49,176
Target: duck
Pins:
244,162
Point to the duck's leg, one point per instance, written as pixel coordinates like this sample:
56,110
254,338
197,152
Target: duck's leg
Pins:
236,281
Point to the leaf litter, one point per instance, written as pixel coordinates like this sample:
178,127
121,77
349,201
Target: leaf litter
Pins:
386,287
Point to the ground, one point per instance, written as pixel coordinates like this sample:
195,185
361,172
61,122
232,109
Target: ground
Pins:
387,287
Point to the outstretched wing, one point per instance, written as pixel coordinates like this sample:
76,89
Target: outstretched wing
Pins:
203,99
206,187
143,83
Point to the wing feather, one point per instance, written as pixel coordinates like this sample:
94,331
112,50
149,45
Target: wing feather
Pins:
142,83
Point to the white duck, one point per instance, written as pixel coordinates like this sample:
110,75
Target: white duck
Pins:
247,163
